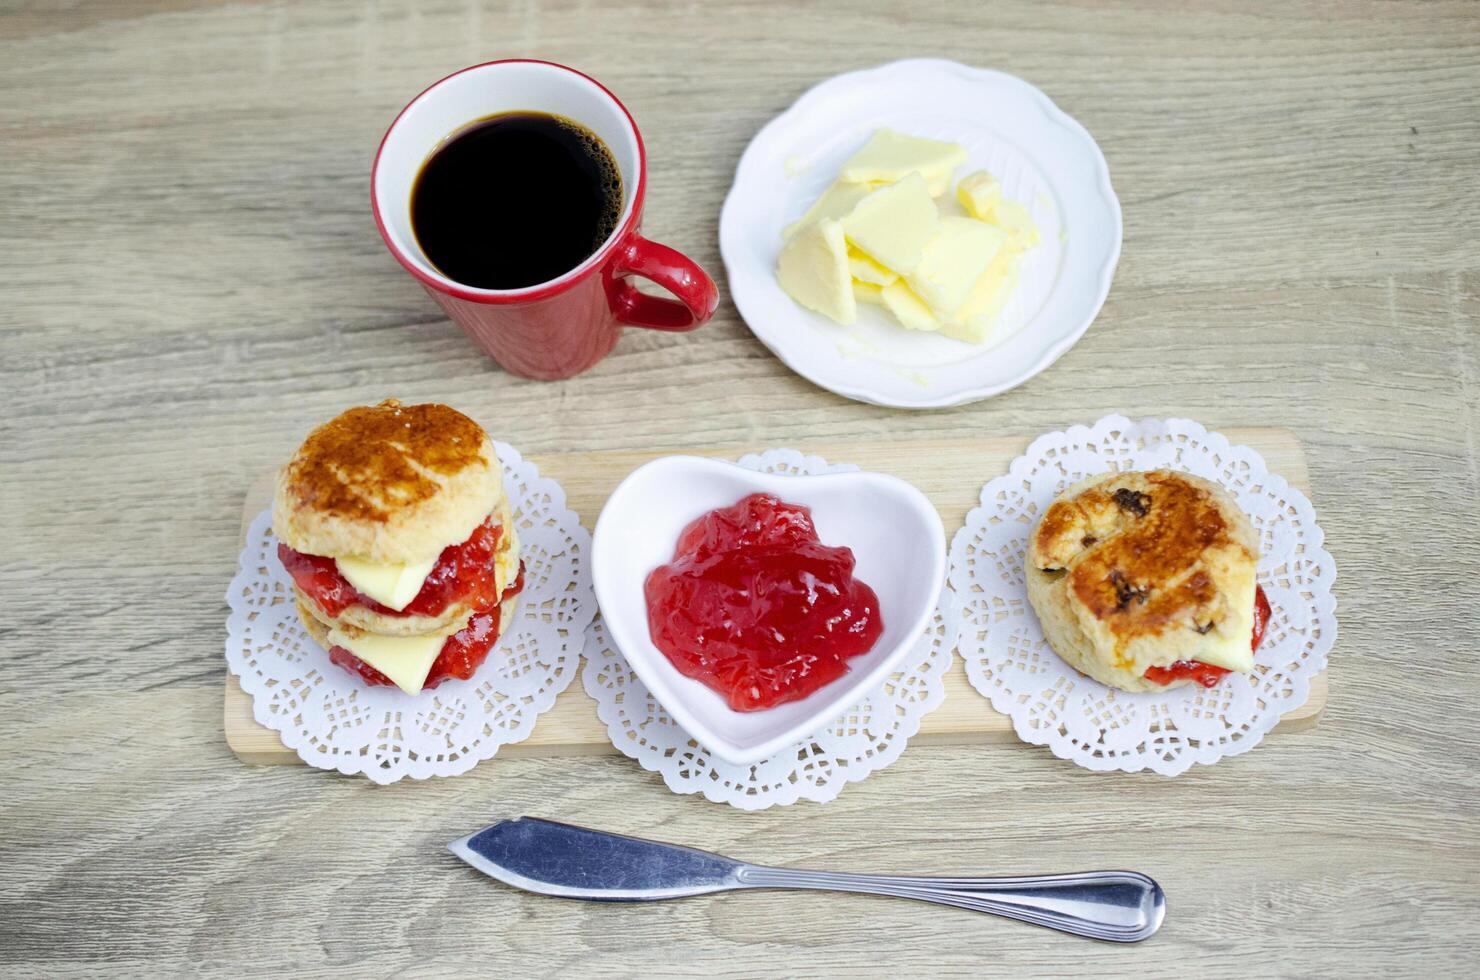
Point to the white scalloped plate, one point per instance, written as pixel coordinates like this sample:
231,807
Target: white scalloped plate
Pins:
1046,161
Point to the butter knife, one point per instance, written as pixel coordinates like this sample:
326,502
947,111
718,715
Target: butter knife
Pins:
558,859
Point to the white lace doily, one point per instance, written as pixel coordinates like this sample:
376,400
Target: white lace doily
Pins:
1081,719
867,738
333,721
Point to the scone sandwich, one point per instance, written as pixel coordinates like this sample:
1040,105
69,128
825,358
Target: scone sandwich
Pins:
1145,581
393,524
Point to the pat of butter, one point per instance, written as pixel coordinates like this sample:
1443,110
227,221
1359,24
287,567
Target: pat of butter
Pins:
1014,219
909,309
813,269
867,292
1230,643
393,586
975,330
506,561
938,184
979,194
865,269
892,224
952,262
1229,652
977,319
406,660
891,156
835,202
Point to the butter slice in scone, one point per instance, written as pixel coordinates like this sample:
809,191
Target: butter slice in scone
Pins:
835,202
910,310
1229,652
406,660
1230,643
952,262
506,561
891,156
393,586
813,269
892,224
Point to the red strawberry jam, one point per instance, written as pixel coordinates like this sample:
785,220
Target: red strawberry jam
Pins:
756,607
1206,674
464,572
462,654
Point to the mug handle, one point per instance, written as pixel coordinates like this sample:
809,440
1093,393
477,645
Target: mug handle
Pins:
680,275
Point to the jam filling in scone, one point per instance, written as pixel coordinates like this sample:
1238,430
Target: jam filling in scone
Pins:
457,656
463,573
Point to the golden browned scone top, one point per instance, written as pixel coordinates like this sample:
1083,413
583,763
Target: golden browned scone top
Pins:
370,460
388,483
1144,551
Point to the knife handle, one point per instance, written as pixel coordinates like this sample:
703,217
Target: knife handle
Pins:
1116,906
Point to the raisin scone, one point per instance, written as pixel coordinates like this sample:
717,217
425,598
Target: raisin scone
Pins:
1145,581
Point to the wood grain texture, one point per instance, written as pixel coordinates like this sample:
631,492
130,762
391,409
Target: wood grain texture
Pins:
947,470
192,279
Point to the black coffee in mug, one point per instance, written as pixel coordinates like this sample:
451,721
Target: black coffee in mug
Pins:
515,200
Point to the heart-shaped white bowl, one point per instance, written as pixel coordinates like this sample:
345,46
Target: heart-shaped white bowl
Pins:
896,537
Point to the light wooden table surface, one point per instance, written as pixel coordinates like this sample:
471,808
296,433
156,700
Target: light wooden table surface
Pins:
191,279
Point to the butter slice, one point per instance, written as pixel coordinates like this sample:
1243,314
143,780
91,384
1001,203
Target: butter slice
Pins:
891,156
1228,652
938,183
393,586
975,330
952,262
911,311
506,561
865,269
979,193
892,224
1014,219
406,660
867,292
813,269
977,319
835,202
1230,643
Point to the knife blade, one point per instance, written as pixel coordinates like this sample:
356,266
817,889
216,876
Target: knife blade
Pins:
574,862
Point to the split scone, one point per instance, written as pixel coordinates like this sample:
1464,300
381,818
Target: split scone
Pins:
1146,580
394,526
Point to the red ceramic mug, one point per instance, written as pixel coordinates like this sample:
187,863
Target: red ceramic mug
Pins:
558,328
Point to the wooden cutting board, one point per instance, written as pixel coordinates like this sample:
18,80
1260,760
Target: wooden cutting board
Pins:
950,472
